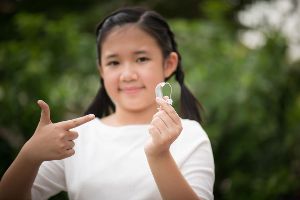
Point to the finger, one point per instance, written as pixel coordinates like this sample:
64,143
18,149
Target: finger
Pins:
169,109
71,135
69,152
168,100
154,133
161,135
159,124
45,113
166,119
173,129
166,97
69,124
70,145
158,115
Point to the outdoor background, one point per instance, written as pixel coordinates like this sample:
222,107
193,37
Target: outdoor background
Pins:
242,61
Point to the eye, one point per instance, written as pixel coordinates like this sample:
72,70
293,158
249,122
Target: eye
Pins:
112,63
142,59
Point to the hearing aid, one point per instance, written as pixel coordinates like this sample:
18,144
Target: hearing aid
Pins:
159,92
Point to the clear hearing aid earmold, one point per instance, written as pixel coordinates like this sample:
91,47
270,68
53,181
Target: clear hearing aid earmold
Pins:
159,92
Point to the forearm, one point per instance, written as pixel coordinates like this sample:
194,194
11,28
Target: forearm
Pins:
17,181
171,183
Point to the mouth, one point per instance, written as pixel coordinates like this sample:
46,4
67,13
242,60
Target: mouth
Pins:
131,90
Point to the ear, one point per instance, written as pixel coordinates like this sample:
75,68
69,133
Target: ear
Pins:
170,64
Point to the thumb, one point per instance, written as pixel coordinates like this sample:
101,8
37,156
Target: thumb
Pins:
45,113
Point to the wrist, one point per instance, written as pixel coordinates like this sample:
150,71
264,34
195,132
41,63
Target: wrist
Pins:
27,155
158,156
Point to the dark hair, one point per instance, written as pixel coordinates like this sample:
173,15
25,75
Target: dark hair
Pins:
155,25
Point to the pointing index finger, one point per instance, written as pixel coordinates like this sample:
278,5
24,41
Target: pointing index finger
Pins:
69,124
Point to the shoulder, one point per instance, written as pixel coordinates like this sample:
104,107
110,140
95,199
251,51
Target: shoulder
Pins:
187,123
192,145
191,137
192,128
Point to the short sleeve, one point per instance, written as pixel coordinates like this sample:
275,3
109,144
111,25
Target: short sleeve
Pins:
196,160
49,181
199,170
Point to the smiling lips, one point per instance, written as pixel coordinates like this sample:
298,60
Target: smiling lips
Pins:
131,90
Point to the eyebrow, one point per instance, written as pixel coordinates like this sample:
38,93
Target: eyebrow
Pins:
140,52
111,56
116,55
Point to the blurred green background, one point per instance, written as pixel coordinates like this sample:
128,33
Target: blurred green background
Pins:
241,60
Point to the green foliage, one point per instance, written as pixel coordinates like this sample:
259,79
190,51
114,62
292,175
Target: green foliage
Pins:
49,60
251,97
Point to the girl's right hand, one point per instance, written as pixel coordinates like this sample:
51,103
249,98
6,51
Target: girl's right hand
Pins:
52,141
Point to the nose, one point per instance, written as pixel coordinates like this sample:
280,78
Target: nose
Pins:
128,74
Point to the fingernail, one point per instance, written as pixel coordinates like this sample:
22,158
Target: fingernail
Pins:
92,116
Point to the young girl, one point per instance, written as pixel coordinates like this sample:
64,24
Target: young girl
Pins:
137,147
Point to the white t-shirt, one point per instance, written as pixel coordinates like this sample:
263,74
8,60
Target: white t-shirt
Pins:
110,164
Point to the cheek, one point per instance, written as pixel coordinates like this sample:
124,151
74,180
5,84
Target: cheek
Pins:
151,79
110,83
154,75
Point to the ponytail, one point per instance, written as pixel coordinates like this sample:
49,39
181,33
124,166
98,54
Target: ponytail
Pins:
190,107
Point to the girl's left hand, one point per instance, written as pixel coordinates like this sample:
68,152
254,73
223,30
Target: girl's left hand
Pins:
164,129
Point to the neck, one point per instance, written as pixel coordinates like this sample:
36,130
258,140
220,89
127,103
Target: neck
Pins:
125,117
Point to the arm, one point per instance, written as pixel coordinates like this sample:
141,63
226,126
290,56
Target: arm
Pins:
170,181
17,181
51,141
165,128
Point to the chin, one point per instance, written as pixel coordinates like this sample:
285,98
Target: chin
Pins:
135,109
138,107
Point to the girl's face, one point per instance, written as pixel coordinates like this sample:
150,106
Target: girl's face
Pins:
131,66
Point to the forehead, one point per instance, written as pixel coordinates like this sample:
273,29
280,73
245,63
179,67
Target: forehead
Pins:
130,37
